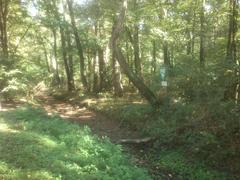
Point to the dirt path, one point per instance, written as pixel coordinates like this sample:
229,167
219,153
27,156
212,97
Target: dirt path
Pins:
99,124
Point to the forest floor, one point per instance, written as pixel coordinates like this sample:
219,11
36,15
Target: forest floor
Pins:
100,125
160,163
104,126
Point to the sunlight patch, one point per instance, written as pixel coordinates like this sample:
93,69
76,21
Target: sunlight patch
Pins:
4,128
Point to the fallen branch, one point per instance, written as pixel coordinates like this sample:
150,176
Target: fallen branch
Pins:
137,141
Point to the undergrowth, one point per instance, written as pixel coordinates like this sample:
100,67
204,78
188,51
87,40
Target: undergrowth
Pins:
34,145
203,136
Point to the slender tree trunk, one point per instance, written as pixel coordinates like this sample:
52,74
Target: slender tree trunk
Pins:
78,44
232,92
65,59
202,36
232,31
136,48
70,61
154,56
90,69
188,35
3,27
101,62
166,56
193,34
95,75
101,69
139,84
56,71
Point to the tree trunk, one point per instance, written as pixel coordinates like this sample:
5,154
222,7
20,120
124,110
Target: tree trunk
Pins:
101,69
188,34
232,32
55,67
66,64
3,27
95,75
154,56
78,44
136,48
202,36
116,75
232,92
193,34
117,30
166,57
70,61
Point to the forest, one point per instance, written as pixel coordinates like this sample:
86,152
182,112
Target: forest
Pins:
120,89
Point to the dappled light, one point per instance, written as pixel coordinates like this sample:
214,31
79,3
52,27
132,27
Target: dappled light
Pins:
125,90
43,147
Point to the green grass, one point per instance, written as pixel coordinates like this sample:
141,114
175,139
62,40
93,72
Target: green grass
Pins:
34,145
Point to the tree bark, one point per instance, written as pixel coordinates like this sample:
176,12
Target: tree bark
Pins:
66,64
202,36
95,74
116,75
136,48
101,69
70,61
154,56
193,34
56,71
78,44
117,30
3,27
166,57
232,32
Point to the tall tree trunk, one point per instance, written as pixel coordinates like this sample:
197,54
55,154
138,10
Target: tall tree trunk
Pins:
232,92
101,62
95,74
202,36
188,34
65,59
70,61
232,31
166,56
136,48
101,69
193,34
116,75
79,45
154,56
55,66
139,84
4,5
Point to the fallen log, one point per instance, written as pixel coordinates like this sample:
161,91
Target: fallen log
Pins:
137,141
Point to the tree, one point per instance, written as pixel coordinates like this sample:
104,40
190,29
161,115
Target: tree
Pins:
78,44
232,31
117,29
4,5
202,35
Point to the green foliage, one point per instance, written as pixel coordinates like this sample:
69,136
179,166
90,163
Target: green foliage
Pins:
37,146
14,83
208,132
176,163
